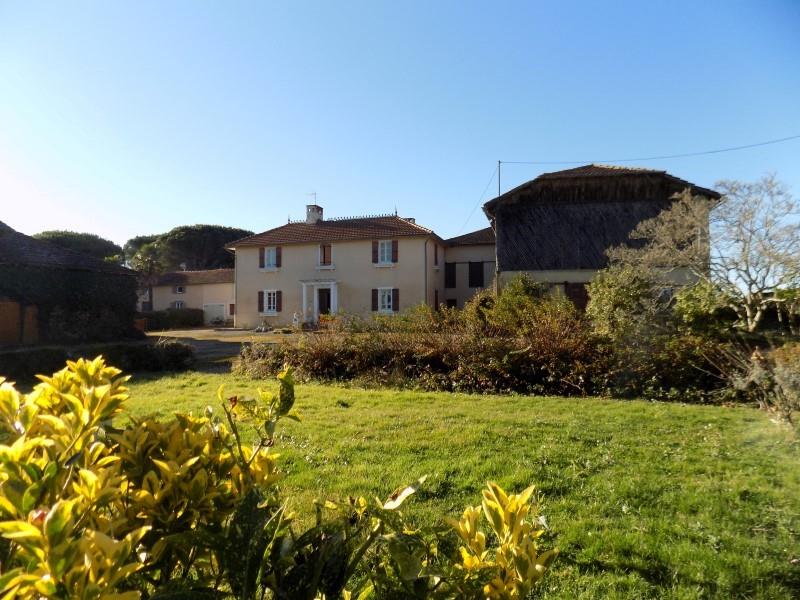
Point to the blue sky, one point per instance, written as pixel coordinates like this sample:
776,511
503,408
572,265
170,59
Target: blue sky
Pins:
131,118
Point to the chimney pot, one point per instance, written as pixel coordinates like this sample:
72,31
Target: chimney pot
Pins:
313,214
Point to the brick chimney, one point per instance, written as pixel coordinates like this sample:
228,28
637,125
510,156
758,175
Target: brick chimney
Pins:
313,214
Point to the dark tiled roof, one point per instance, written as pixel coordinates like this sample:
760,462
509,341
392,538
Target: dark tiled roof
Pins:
594,170
592,182
360,228
482,236
196,277
19,249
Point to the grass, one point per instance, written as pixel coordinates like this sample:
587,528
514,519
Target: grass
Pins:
644,500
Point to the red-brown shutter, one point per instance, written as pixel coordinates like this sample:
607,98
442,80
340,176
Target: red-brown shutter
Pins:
278,256
261,302
374,299
374,253
394,251
395,300
436,254
261,258
232,309
278,301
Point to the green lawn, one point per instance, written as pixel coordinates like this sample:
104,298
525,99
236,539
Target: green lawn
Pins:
644,500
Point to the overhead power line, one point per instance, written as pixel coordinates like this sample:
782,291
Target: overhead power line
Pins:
643,158
474,208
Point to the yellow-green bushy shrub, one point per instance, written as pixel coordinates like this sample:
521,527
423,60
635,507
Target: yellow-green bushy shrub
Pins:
165,509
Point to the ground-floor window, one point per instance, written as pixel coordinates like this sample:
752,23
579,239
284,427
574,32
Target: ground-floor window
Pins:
178,304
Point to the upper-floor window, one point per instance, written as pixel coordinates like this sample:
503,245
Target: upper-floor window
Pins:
179,289
385,252
449,275
475,274
324,254
269,257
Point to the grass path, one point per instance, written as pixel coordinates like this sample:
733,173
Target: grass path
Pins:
644,500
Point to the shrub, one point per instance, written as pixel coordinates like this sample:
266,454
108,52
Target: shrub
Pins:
184,508
770,378
173,318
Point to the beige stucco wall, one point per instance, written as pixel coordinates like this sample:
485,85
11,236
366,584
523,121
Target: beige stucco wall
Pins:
353,271
462,256
195,296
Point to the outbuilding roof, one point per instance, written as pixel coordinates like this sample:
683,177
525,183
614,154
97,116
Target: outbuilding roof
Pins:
333,230
195,277
18,249
593,182
474,238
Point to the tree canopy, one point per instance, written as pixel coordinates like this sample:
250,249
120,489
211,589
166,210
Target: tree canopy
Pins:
85,243
190,247
745,246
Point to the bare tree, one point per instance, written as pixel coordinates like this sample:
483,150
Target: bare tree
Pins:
747,245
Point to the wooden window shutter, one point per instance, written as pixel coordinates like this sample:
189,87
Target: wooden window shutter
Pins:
278,256
394,251
278,301
436,254
232,309
261,258
395,300
261,302
374,254
374,299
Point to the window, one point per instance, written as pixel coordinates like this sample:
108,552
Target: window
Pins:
178,304
269,257
449,275
269,302
436,254
385,300
179,289
451,303
385,252
475,274
324,254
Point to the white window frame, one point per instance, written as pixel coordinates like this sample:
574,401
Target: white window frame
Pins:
180,289
385,300
271,257
270,302
179,304
384,252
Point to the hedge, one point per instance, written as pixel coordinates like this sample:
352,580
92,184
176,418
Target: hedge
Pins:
25,364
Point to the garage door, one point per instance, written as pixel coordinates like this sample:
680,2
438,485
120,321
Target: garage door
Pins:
213,314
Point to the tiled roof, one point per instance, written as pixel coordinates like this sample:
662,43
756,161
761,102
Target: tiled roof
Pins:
19,249
482,236
333,230
196,277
